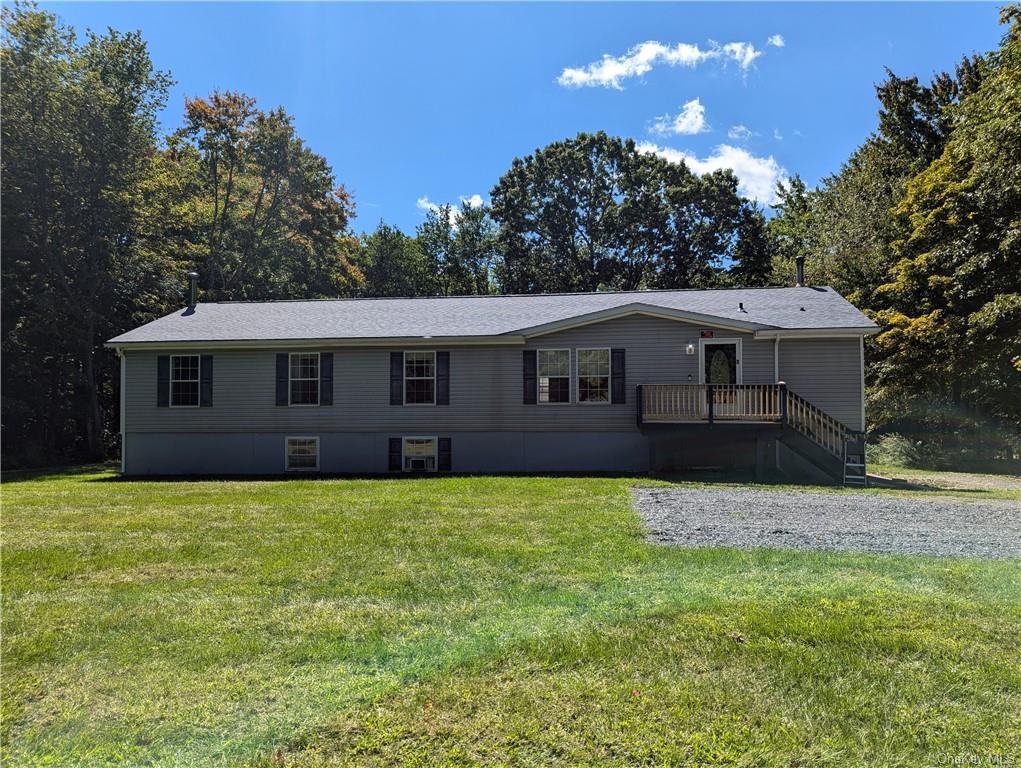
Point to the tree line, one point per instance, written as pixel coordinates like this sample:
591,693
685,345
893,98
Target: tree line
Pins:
102,216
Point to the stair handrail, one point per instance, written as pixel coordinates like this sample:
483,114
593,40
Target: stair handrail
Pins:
813,422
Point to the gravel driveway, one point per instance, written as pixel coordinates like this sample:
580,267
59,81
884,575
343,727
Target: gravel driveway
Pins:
856,522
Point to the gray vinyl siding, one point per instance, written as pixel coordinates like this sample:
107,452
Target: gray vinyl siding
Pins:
485,385
827,373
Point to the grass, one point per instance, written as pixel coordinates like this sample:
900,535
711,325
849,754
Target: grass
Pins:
477,620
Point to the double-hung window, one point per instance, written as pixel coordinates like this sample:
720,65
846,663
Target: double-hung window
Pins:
302,453
554,375
304,378
419,378
593,376
184,381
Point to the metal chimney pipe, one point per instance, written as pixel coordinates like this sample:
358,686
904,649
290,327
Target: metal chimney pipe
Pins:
800,264
193,289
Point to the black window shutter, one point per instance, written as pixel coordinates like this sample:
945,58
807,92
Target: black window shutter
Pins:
396,378
163,381
326,378
443,454
395,454
530,383
283,361
442,378
206,381
617,390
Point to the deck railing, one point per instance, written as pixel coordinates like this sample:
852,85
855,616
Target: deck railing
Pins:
677,403
680,403
816,424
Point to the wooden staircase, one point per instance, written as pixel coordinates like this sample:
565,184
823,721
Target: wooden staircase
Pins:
840,451
831,449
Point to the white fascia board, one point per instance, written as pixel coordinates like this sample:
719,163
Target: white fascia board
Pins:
817,333
428,342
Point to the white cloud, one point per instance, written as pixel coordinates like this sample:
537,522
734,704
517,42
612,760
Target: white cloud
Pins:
777,41
756,176
739,133
609,71
777,135
472,201
743,53
690,120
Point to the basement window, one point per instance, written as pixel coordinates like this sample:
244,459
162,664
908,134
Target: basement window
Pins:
420,454
302,454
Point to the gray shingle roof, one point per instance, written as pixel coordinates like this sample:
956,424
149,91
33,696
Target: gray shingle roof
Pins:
764,308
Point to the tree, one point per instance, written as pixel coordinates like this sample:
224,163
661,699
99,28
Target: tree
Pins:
394,264
271,221
951,311
593,213
460,249
78,141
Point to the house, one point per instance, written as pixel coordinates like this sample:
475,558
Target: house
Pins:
770,378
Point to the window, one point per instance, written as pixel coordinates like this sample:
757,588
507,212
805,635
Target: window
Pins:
184,380
420,454
554,375
304,378
419,378
593,375
302,453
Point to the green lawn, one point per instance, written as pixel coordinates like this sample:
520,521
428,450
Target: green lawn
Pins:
475,620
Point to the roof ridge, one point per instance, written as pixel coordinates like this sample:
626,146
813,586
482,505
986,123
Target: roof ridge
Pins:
638,291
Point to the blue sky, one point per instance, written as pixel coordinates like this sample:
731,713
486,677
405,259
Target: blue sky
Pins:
428,103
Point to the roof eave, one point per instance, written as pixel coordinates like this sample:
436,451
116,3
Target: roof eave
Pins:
376,341
817,333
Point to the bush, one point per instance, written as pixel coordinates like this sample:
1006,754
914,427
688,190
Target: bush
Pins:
897,450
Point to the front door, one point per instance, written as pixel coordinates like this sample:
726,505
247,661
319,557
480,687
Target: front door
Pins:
721,365
721,362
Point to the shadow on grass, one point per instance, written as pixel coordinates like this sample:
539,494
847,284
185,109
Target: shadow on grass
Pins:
325,476
779,482
58,472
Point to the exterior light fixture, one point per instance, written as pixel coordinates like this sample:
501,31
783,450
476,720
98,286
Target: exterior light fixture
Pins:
691,349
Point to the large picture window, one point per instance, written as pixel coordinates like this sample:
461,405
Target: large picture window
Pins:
184,381
304,378
554,375
302,453
419,378
593,375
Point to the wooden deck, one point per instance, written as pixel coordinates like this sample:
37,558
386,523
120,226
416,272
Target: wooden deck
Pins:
740,403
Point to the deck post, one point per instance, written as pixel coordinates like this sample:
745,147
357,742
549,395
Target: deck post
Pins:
641,405
783,401
709,402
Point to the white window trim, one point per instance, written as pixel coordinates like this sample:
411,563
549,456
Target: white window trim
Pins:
570,377
609,376
318,380
703,343
436,451
170,394
287,456
404,379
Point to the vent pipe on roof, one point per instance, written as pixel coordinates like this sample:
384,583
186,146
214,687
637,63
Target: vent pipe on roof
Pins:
800,264
193,289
